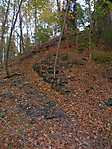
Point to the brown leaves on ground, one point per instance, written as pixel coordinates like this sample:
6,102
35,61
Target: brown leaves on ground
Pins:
33,115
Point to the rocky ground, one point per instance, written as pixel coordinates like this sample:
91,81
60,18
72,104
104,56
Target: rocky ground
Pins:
72,111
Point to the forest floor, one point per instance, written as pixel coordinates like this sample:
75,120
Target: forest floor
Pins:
72,113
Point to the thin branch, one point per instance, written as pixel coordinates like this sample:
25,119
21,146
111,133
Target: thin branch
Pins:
59,42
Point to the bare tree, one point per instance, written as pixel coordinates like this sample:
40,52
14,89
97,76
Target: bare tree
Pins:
21,33
90,21
35,16
9,41
59,42
4,27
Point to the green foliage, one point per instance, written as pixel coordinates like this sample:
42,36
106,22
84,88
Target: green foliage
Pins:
107,35
48,15
99,12
102,57
46,19
39,4
102,17
43,34
80,49
102,8
80,15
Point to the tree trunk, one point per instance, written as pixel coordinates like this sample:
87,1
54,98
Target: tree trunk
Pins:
104,25
90,28
90,20
35,16
58,5
9,41
3,30
59,42
21,34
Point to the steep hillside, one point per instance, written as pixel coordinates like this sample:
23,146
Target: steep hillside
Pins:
74,111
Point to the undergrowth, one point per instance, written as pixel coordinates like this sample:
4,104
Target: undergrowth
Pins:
102,57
